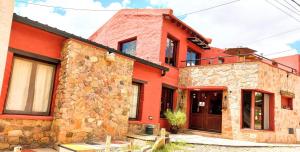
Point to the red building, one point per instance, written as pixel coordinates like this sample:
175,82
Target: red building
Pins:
154,35
234,95
61,88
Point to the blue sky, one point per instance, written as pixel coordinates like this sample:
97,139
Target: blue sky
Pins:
229,26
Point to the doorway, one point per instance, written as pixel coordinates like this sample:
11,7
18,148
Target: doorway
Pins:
206,110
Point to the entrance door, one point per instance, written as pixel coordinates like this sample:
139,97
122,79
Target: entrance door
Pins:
206,110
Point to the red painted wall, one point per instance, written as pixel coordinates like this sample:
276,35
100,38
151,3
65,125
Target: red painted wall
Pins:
151,89
145,24
292,61
32,40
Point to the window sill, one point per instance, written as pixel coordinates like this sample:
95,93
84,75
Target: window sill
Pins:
28,117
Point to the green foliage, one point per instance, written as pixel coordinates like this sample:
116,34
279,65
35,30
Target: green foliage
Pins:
177,118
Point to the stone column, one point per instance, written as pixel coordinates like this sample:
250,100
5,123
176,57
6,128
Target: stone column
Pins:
6,14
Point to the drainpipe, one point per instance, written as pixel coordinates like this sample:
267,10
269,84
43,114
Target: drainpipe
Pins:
6,15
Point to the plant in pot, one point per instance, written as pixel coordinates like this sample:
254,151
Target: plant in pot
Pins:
176,120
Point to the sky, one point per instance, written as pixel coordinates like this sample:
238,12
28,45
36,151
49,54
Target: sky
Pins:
271,27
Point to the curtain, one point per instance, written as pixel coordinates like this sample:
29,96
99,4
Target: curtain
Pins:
19,85
43,84
134,101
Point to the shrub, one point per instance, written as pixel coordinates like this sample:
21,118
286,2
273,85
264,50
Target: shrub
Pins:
177,118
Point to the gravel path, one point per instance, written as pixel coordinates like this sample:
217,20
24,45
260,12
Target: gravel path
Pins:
215,148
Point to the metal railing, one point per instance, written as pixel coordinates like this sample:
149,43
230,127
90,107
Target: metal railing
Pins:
237,59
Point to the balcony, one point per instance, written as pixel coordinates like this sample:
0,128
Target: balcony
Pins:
241,58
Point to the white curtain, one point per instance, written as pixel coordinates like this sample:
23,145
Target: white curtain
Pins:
134,101
43,83
19,85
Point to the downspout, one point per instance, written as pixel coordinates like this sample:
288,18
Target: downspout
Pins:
6,15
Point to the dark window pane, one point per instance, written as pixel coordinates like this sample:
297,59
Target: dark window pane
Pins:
215,104
170,55
258,111
192,58
166,101
129,47
246,109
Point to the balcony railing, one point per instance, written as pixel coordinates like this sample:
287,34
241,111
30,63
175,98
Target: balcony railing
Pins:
237,59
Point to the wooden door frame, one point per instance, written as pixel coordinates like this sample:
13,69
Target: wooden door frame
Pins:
190,101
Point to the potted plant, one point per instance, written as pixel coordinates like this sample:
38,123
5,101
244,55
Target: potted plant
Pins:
176,120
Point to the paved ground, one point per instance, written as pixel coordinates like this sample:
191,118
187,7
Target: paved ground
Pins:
215,148
197,139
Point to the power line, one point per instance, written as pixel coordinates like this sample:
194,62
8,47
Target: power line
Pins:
279,52
212,7
69,8
283,11
287,7
291,5
272,36
295,2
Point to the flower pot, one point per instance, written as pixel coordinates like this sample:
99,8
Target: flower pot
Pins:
174,129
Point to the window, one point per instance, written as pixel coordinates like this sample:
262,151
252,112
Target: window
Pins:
192,58
286,103
257,110
135,100
246,109
171,50
215,103
166,100
30,88
128,46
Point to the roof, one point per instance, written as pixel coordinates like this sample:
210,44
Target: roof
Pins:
185,26
65,34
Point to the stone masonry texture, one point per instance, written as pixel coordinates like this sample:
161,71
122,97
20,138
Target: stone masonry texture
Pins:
249,75
93,95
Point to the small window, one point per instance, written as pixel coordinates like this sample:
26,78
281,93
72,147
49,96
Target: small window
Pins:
30,88
135,101
221,60
262,106
215,103
166,100
192,58
128,47
171,50
246,106
286,103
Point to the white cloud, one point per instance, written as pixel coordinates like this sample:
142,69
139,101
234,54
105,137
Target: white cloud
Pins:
82,23
239,23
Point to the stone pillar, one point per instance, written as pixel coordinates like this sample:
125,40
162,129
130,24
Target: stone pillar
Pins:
6,14
93,94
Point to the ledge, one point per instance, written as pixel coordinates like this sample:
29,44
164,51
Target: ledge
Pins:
26,117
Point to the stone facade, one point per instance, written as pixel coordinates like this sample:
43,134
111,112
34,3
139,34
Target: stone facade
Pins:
93,94
139,128
28,133
250,75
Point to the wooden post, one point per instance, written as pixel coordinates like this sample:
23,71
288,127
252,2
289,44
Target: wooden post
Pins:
107,143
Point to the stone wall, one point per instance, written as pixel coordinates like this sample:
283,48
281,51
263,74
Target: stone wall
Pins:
250,75
28,133
140,128
93,94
